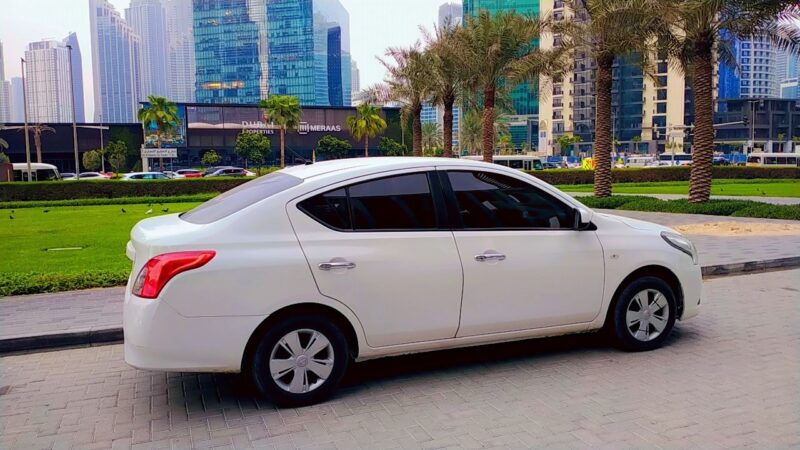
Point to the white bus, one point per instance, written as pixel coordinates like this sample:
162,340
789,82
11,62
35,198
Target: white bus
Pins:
774,159
39,172
522,162
675,159
641,161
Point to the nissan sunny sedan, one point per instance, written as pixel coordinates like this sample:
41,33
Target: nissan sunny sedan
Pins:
295,275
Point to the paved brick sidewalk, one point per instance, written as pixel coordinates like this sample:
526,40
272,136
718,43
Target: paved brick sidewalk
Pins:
771,200
728,379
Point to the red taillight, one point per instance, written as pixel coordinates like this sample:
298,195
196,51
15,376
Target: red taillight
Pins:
162,268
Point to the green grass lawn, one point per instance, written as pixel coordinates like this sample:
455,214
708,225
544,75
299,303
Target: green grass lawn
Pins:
754,188
29,264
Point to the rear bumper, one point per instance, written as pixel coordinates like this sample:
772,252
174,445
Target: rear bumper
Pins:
158,338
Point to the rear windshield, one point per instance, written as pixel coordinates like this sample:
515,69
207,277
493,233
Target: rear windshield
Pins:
240,197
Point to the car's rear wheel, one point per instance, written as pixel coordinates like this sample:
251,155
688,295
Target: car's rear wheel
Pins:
300,361
643,315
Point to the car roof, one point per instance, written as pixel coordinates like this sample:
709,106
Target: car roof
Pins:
376,164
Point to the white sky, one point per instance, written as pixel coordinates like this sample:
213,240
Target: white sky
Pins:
374,26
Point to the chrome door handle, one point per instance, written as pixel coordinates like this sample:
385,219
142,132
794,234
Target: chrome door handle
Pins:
490,257
337,265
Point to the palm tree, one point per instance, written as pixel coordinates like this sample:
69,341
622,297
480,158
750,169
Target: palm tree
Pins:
431,136
284,111
37,130
3,143
500,50
161,114
445,84
469,129
705,31
611,30
409,83
367,123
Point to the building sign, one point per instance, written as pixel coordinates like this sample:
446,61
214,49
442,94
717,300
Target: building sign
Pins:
159,152
174,137
306,128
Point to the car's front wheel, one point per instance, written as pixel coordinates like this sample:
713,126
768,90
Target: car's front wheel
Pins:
643,315
300,361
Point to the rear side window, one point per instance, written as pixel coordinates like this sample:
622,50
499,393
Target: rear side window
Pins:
240,197
402,202
491,201
331,209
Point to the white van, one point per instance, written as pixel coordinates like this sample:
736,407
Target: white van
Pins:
774,159
641,161
39,172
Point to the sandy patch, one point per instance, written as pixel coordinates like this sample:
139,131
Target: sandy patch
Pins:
740,229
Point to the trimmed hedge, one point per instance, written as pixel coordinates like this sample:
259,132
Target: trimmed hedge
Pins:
735,208
649,175
37,283
68,190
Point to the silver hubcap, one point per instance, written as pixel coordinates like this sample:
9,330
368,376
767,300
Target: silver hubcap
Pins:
301,361
647,315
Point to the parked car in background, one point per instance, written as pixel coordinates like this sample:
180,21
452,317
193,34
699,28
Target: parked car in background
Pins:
138,176
227,172
93,176
773,159
213,169
39,172
720,161
550,165
170,174
188,173
675,159
249,173
68,176
294,275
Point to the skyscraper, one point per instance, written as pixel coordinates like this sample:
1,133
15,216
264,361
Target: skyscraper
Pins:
290,39
17,102
355,79
147,19
47,82
115,64
5,91
77,76
451,14
758,75
230,51
336,15
180,63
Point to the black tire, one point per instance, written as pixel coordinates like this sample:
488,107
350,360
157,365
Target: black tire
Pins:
623,335
260,363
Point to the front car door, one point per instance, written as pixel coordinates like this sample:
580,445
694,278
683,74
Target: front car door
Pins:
525,266
381,246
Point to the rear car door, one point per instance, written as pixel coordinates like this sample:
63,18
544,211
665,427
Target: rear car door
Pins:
381,246
525,266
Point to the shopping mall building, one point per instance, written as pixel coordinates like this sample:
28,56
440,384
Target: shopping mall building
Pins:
203,127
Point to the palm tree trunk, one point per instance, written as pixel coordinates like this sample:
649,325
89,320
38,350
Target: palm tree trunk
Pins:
703,150
283,154
158,145
488,123
366,146
447,131
37,141
416,129
602,140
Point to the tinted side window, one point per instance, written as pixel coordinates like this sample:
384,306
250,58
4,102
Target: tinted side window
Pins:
331,209
488,200
402,202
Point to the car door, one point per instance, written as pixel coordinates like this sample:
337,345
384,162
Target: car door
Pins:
381,247
525,265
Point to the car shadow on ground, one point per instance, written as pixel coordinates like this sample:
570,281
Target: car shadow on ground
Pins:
226,390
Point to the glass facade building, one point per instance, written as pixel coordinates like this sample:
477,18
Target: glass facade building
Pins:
290,41
228,51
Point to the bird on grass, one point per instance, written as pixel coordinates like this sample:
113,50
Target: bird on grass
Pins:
46,211
123,210
165,210
11,217
149,211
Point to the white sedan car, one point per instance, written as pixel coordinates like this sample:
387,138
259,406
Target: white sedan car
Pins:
290,277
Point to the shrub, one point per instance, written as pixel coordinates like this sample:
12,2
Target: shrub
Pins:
737,208
68,190
37,283
107,201
210,158
332,147
641,175
390,147
252,147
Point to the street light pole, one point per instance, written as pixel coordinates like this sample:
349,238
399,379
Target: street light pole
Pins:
25,109
74,125
102,148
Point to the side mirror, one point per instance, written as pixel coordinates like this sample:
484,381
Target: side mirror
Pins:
583,218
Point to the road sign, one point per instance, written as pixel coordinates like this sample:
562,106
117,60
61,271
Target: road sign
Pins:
159,152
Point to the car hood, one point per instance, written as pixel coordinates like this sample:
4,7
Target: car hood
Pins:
637,224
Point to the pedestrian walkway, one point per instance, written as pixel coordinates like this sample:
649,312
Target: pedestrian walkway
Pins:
101,309
770,200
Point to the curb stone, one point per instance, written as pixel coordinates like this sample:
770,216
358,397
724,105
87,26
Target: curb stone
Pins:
115,335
